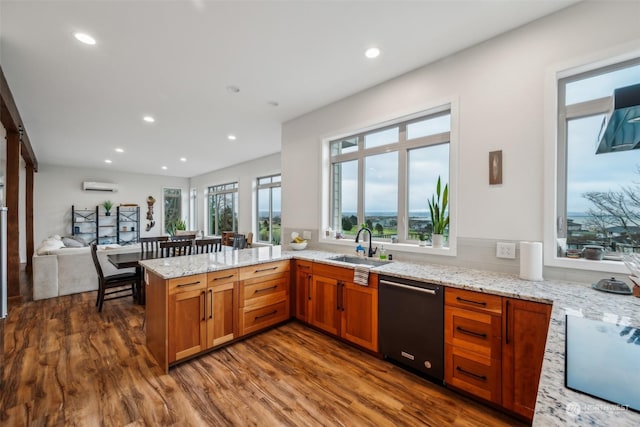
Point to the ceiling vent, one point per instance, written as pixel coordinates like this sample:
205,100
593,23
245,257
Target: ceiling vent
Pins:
99,186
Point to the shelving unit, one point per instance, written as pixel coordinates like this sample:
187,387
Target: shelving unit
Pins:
121,227
128,231
84,223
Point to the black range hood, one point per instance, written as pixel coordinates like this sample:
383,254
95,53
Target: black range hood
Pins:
620,130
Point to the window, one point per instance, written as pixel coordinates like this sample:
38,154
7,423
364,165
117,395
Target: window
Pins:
172,203
223,208
269,202
383,176
598,201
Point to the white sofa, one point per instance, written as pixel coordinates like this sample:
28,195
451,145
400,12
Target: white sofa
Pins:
70,270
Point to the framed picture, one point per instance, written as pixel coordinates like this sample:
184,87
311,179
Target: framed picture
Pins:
495,167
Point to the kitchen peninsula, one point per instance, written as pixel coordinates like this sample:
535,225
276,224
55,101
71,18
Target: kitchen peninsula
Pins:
556,405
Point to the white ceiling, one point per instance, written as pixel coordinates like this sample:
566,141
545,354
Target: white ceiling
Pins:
174,60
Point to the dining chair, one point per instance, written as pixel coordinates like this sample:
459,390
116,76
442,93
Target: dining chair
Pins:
176,248
239,241
178,237
204,246
151,244
116,285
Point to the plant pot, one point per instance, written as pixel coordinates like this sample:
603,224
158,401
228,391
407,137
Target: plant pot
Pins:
437,240
107,213
422,243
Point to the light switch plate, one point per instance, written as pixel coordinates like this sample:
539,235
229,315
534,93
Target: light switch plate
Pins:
306,235
506,250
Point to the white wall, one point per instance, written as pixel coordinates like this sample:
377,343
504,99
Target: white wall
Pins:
57,188
500,88
245,175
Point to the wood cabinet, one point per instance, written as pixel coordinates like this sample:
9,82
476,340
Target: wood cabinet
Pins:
222,306
473,324
302,288
494,347
342,308
263,296
525,325
187,316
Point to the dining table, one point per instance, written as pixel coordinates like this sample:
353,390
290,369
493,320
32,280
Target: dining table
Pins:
132,260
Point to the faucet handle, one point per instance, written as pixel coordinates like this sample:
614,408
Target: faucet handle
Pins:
373,251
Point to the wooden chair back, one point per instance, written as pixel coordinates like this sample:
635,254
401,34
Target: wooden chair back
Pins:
188,236
151,244
204,246
174,248
114,286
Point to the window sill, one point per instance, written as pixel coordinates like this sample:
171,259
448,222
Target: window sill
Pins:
394,247
589,265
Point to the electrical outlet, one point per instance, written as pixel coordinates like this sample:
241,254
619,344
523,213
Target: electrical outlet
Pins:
306,235
506,250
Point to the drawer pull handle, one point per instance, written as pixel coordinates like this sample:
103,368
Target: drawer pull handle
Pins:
224,277
468,332
266,315
468,301
265,289
266,269
182,285
471,374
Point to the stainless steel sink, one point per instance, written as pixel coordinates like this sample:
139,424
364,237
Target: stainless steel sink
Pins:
357,260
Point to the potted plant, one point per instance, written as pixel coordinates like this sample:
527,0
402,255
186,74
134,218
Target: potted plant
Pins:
107,205
439,214
423,239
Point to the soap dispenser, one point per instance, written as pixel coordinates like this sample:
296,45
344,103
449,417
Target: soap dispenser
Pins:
383,253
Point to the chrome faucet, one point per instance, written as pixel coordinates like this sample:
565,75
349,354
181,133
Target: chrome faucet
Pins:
371,250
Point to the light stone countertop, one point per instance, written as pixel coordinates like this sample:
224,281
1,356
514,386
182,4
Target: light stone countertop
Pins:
556,405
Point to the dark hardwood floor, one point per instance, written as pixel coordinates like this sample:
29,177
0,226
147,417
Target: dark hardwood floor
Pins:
66,364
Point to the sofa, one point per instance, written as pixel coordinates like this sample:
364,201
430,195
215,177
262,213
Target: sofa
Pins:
70,270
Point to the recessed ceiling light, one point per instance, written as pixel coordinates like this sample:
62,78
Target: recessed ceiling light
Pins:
372,52
183,159
233,89
148,119
273,103
164,168
231,137
107,161
85,38
119,150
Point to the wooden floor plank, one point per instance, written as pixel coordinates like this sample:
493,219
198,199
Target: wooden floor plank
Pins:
66,364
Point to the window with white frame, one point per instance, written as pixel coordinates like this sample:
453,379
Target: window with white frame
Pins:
223,208
269,221
598,184
382,178
172,206
193,203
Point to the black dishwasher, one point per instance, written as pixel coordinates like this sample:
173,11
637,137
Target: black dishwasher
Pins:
411,324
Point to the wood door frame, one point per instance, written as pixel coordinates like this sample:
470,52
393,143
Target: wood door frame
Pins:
18,145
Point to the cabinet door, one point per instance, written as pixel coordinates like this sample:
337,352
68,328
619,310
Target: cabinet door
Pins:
187,324
221,309
525,326
324,312
359,323
302,289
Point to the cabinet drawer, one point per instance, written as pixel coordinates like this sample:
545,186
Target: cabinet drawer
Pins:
254,319
264,290
474,331
261,270
473,373
215,278
306,266
187,283
471,300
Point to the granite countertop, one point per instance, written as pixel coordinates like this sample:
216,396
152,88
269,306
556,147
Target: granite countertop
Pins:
556,405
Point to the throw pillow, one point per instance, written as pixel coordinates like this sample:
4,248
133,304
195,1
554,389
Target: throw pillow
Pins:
70,242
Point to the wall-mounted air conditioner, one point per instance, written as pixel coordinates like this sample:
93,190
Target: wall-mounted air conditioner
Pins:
99,186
